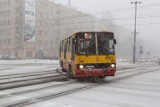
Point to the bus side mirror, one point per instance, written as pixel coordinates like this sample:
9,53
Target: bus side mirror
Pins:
115,42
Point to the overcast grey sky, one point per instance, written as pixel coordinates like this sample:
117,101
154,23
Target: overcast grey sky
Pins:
148,25
102,5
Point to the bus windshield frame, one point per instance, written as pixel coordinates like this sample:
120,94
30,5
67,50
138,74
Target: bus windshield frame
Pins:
95,43
86,44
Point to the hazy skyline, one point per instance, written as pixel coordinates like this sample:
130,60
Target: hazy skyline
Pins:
93,6
148,14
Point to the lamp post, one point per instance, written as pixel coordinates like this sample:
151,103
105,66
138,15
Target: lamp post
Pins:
134,44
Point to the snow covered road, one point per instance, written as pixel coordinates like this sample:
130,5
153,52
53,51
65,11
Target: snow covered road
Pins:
138,90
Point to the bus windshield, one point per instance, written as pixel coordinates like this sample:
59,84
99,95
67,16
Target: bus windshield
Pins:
86,44
105,43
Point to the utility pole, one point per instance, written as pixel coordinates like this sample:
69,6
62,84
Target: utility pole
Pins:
134,44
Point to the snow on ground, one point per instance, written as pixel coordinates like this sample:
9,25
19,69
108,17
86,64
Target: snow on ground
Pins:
26,66
37,61
27,69
35,65
29,61
138,91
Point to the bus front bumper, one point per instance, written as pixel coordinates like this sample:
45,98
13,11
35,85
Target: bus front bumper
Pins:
95,72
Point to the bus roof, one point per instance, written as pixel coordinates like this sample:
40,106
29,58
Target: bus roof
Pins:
85,32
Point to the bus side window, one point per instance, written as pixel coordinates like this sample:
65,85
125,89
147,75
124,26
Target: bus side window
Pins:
65,50
60,50
73,49
68,45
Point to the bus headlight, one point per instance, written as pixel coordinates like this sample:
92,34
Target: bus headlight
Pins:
112,65
81,66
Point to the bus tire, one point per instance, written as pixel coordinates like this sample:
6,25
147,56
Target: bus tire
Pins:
102,77
62,66
70,72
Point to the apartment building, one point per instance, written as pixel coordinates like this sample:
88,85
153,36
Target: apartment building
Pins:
34,28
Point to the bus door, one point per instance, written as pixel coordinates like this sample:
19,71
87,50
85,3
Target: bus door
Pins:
65,54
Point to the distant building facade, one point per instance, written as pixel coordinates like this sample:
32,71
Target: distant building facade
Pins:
34,28
47,22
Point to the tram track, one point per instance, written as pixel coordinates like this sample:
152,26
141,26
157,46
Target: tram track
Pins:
40,98
25,79
4,67
15,92
20,80
21,75
34,81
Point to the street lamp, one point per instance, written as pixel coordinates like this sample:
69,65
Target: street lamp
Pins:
134,44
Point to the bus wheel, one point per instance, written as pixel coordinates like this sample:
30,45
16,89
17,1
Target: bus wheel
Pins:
102,77
70,72
62,67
